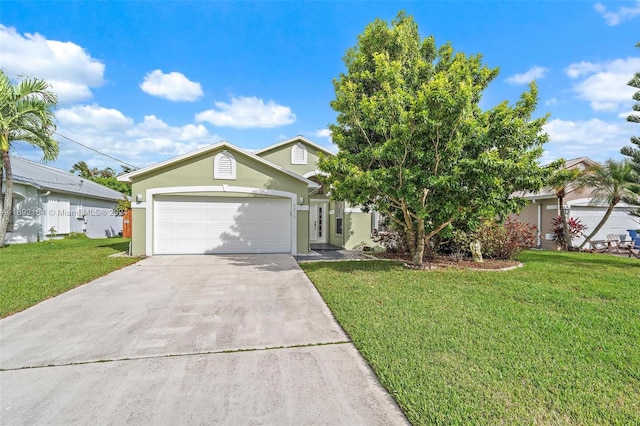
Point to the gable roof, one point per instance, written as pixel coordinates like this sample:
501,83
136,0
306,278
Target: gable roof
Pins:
224,144
548,192
50,178
297,138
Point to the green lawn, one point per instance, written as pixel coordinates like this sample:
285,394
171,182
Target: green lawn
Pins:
555,342
31,273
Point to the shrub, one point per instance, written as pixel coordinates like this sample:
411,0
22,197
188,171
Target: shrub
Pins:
76,236
506,240
575,227
393,241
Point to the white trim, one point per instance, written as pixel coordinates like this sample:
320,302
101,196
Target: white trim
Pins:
296,138
302,208
353,210
587,202
302,149
217,188
127,177
315,173
217,173
139,206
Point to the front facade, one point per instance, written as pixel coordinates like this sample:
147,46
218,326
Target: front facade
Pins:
223,199
543,207
50,203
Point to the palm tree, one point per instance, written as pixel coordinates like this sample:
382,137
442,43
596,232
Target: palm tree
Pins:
610,183
560,182
83,170
26,114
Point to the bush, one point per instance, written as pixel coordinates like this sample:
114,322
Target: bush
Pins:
575,227
506,241
393,241
76,236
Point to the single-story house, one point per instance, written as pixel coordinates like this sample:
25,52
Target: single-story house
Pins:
49,202
543,207
225,199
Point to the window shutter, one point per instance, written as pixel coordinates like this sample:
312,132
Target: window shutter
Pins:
298,154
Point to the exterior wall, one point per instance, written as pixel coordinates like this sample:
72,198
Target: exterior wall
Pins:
34,214
548,209
281,156
302,217
358,230
138,232
27,223
198,172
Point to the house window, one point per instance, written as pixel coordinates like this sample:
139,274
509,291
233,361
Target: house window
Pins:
298,154
339,213
224,166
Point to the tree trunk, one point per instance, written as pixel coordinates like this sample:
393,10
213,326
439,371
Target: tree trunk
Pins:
600,224
7,205
565,226
418,252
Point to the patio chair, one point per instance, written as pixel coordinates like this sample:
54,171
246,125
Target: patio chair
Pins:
634,250
599,246
616,244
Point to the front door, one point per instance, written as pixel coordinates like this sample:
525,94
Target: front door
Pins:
318,222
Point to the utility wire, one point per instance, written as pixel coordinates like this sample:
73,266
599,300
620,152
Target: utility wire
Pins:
95,150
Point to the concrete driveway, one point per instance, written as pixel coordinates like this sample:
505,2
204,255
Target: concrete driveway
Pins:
188,340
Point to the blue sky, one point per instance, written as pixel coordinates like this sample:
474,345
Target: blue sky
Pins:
145,81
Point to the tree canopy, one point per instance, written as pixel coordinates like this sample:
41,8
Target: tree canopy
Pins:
634,152
26,114
413,141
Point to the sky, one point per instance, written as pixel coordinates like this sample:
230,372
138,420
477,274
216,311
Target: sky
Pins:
144,81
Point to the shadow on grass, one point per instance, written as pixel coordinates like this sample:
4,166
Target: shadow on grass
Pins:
118,247
353,266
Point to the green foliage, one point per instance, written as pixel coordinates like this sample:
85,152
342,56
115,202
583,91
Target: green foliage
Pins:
633,152
554,342
75,236
35,272
574,227
113,183
26,115
506,240
415,145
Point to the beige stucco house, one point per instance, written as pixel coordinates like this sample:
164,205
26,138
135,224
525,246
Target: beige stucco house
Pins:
224,199
542,207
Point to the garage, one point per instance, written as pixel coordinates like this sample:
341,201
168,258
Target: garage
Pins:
212,225
618,222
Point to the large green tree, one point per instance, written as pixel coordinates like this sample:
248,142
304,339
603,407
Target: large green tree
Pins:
26,114
414,143
610,184
634,152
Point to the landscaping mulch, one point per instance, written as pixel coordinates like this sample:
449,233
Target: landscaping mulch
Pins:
446,262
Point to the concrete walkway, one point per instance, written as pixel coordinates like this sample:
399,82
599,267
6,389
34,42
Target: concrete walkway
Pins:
188,340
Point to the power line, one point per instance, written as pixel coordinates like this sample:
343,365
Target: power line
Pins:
95,150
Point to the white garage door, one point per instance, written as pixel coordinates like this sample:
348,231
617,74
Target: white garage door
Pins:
618,222
204,225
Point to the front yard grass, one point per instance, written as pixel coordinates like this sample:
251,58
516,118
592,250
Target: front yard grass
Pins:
554,342
31,273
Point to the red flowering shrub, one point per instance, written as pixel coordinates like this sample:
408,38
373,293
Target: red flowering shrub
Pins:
506,241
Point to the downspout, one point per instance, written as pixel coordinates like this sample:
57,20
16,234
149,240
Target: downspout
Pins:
539,225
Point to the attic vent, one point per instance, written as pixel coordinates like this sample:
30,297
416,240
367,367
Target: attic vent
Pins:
224,166
298,154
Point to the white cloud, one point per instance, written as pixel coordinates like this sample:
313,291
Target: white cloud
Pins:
322,133
527,77
109,131
613,18
551,102
594,138
173,86
70,70
604,84
247,112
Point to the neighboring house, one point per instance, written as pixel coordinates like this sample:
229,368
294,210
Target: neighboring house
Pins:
542,208
224,199
50,202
